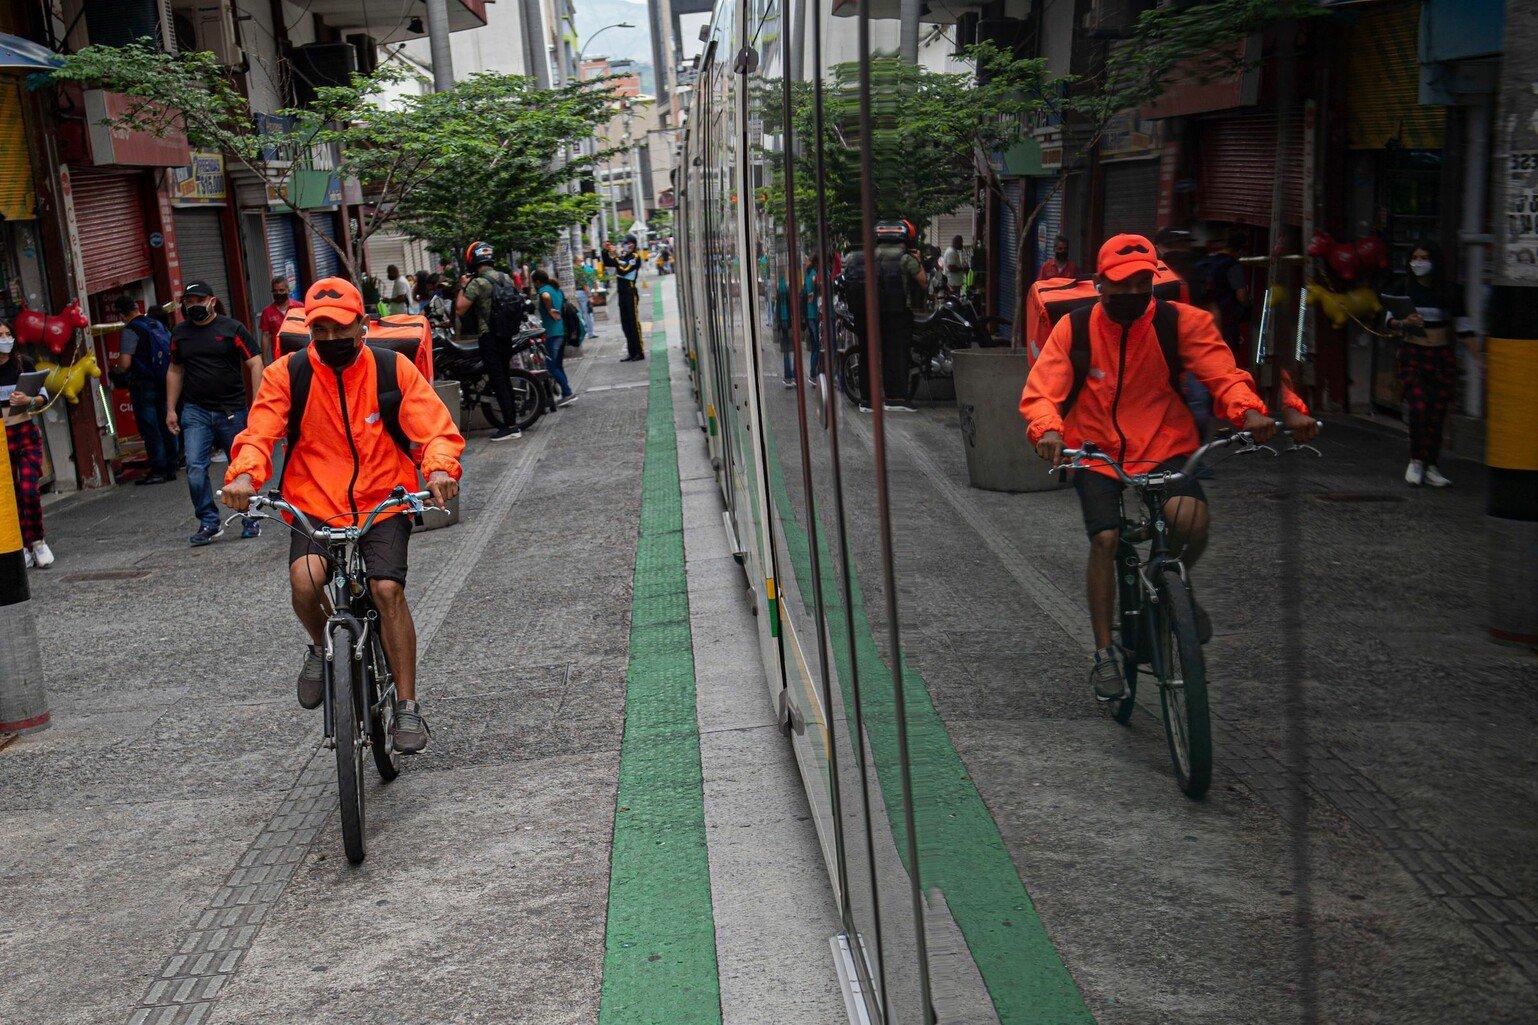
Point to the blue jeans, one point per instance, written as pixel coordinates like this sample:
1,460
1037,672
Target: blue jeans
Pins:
149,402
555,360
203,429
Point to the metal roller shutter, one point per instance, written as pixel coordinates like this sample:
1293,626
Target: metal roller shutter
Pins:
1009,247
114,238
948,226
1131,197
1238,165
282,253
327,263
1050,224
200,244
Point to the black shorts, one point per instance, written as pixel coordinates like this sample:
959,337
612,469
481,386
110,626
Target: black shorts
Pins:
383,548
1100,496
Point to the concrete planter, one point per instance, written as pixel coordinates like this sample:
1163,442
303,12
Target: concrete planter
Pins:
448,391
999,457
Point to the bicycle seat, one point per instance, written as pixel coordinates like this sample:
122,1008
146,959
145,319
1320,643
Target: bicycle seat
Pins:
472,346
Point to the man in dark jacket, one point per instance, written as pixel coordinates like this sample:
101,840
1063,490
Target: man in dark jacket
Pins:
143,359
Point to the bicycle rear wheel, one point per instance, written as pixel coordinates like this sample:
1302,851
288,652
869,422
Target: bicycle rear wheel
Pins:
342,691
531,397
1182,672
381,715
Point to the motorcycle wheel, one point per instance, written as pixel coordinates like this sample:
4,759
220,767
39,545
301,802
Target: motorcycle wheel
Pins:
530,392
850,370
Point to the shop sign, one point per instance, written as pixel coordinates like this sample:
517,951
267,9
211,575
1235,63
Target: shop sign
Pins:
1129,135
201,182
1050,141
315,190
124,146
1521,248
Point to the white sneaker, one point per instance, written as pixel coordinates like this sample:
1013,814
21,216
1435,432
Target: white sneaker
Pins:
1415,473
42,554
27,554
1433,477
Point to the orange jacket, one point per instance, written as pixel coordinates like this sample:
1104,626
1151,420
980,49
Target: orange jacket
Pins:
323,478
1126,405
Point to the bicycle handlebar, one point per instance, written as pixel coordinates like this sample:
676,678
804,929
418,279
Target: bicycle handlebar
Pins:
1075,458
413,500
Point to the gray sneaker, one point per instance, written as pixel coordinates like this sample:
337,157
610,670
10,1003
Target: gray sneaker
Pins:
312,678
410,729
1106,677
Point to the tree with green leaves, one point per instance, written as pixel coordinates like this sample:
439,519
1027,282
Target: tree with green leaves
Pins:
935,134
491,141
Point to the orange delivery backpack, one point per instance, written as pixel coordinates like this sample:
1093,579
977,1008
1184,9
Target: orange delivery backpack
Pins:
409,335
1051,299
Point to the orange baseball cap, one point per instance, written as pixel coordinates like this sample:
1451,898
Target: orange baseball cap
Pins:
1125,255
333,298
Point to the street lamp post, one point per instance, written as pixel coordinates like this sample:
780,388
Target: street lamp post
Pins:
590,147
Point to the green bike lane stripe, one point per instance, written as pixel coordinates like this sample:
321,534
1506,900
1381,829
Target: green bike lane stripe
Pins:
961,852
659,965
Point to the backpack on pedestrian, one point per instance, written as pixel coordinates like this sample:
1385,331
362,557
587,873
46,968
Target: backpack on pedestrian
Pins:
505,313
152,357
575,329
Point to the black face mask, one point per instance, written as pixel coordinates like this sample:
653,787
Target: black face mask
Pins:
1126,307
200,314
337,353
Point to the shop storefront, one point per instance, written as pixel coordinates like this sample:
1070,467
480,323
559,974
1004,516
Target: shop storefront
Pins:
1394,169
200,197
22,278
1129,175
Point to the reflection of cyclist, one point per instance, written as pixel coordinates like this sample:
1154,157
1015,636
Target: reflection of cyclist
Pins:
1122,396
343,459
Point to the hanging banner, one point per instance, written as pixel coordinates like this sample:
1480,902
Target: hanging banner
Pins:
200,183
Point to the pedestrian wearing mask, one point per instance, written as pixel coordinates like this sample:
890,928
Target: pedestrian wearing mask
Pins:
1428,363
25,443
954,263
552,303
214,360
397,291
271,322
1060,266
144,357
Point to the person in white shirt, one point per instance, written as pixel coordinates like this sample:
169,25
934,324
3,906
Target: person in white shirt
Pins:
954,263
397,291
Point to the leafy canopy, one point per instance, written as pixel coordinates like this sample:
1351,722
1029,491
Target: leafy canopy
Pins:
480,160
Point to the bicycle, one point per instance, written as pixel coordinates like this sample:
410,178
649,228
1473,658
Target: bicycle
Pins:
360,692
1157,612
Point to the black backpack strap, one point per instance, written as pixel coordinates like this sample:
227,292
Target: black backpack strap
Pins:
300,374
1166,323
390,396
1078,354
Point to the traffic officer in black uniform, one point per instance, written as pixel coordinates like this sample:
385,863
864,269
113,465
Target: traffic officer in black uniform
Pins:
627,268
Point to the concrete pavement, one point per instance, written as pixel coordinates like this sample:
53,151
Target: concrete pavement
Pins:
171,850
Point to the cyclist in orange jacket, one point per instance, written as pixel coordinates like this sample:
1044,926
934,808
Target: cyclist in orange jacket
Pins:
346,459
1125,400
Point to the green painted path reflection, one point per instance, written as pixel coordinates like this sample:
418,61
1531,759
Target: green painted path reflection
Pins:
961,851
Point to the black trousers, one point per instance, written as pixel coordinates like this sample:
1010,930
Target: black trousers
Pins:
497,354
630,317
897,356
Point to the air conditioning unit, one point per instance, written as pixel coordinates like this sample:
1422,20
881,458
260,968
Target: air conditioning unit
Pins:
119,22
319,65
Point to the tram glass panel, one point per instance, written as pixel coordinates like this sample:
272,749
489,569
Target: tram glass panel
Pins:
871,706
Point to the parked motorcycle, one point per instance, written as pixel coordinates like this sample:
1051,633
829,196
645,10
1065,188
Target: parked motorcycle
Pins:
461,361
953,324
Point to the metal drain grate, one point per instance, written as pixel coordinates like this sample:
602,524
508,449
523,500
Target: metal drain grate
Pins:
106,574
1355,496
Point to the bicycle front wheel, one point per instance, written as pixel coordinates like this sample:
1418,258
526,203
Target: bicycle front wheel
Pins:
346,717
1182,673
